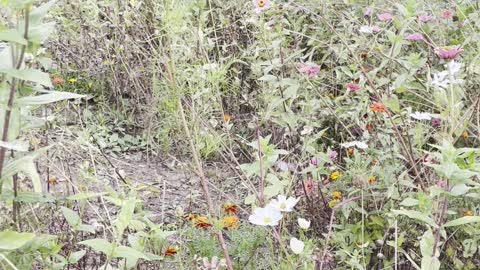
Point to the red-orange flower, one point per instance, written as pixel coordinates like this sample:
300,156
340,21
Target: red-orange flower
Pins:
57,80
170,251
202,222
370,127
230,208
378,107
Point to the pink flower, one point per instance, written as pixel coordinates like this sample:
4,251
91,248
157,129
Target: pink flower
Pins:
414,37
376,29
367,12
447,14
449,52
261,5
385,17
425,18
314,161
352,87
310,69
333,155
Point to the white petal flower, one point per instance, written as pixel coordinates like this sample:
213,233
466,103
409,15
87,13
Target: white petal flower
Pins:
421,116
366,29
360,145
283,204
454,67
303,223
296,245
267,216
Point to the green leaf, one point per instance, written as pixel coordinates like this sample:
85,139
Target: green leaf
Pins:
73,219
10,240
129,253
50,97
99,245
34,197
37,15
417,215
409,202
430,263
12,35
76,256
17,145
462,221
125,216
32,75
85,195
86,228
24,164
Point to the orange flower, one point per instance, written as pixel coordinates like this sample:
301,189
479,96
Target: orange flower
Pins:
378,107
170,251
230,208
57,80
350,151
468,213
202,222
465,134
372,179
230,222
227,118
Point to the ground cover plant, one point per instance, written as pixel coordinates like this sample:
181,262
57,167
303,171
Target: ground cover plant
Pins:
205,134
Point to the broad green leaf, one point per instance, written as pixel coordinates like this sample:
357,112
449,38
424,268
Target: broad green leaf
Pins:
129,253
71,216
430,263
76,256
125,216
17,145
41,32
24,164
85,195
462,221
99,245
34,197
417,215
86,228
10,240
49,97
31,75
409,202
37,14
12,35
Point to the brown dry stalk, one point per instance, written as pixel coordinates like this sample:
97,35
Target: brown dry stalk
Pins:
199,168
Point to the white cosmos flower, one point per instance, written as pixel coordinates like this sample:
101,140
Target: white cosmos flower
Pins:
268,216
296,245
283,204
442,79
303,223
421,116
360,145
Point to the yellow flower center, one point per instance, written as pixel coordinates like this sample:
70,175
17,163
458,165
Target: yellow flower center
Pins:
283,206
261,3
266,220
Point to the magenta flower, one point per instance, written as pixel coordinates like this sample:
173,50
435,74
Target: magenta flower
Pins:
367,12
310,69
447,14
384,17
261,5
414,37
424,18
449,52
314,161
353,87
376,29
